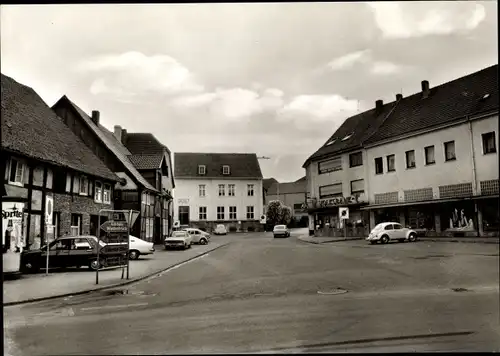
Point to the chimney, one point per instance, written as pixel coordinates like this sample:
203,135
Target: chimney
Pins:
425,88
379,104
118,133
95,117
124,136
399,97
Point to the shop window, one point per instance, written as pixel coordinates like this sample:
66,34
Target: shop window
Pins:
356,159
48,183
357,186
201,190
220,213
38,176
36,200
250,190
379,165
225,170
17,171
420,219
331,165
232,213
231,190
391,163
449,151
491,217
106,197
410,159
330,191
203,213
489,144
458,217
98,192
429,155
250,213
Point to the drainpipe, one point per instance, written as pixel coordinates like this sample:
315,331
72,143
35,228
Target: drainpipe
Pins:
474,178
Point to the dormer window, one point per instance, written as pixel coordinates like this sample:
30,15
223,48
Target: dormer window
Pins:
348,136
202,170
331,142
225,170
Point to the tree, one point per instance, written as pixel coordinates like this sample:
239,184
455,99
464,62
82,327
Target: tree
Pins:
274,212
286,214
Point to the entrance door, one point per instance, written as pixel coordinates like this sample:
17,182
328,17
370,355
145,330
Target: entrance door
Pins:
184,215
157,231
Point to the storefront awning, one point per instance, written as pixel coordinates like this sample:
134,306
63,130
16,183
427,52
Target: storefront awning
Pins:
434,201
335,208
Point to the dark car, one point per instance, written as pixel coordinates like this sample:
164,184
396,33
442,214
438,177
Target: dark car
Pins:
75,251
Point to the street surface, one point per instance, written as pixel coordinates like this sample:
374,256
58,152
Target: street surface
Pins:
260,294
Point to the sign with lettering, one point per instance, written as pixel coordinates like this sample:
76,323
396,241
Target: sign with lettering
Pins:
115,226
336,201
183,201
116,239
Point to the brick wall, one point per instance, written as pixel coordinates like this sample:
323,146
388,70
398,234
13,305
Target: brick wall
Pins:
67,204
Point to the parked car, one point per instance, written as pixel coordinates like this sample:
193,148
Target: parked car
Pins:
74,251
198,236
281,230
390,231
220,230
139,247
179,239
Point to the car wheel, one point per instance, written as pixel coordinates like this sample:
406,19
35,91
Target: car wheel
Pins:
384,239
203,241
133,255
94,265
412,238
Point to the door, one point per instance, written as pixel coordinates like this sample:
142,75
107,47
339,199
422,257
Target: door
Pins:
58,253
389,231
399,232
80,252
184,215
157,230
196,236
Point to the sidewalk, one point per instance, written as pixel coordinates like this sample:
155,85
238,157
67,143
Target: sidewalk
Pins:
324,240
39,286
484,240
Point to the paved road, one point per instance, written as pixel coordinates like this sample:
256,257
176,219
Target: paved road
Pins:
260,294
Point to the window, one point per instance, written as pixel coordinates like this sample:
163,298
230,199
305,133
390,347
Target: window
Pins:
429,155
356,159
230,190
331,165
330,191
38,176
84,185
202,170
397,227
76,184
250,213
106,197
222,190
16,171
68,182
449,151
388,227
201,190
410,159
203,213
250,190
48,183
357,186
489,144
232,213
391,163
98,192
220,213
76,225
225,170
379,165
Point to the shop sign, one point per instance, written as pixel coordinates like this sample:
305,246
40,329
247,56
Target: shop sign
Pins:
353,199
183,201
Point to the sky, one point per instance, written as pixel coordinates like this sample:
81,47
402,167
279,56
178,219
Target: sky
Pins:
272,79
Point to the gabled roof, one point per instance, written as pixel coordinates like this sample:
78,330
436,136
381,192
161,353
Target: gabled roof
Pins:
353,132
242,165
446,103
111,143
303,179
298,187
143,162
32,129
268,182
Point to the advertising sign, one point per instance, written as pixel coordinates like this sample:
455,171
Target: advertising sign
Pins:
12,235
344,213
49,209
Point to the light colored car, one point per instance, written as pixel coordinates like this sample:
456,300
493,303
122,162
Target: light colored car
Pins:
220,230
179,239
281,230
390,231
139,247
198,236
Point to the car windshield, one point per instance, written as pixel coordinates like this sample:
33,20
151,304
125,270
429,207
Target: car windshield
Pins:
280,227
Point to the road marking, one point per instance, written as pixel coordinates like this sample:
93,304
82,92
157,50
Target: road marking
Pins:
115,306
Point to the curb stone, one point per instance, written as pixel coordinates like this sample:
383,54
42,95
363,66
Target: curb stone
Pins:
120,284
329,241
459,241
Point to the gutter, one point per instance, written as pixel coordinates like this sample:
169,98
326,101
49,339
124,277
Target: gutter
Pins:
473,156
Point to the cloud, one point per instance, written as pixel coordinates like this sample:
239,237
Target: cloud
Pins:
384,68
405,20
348,60
133,73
